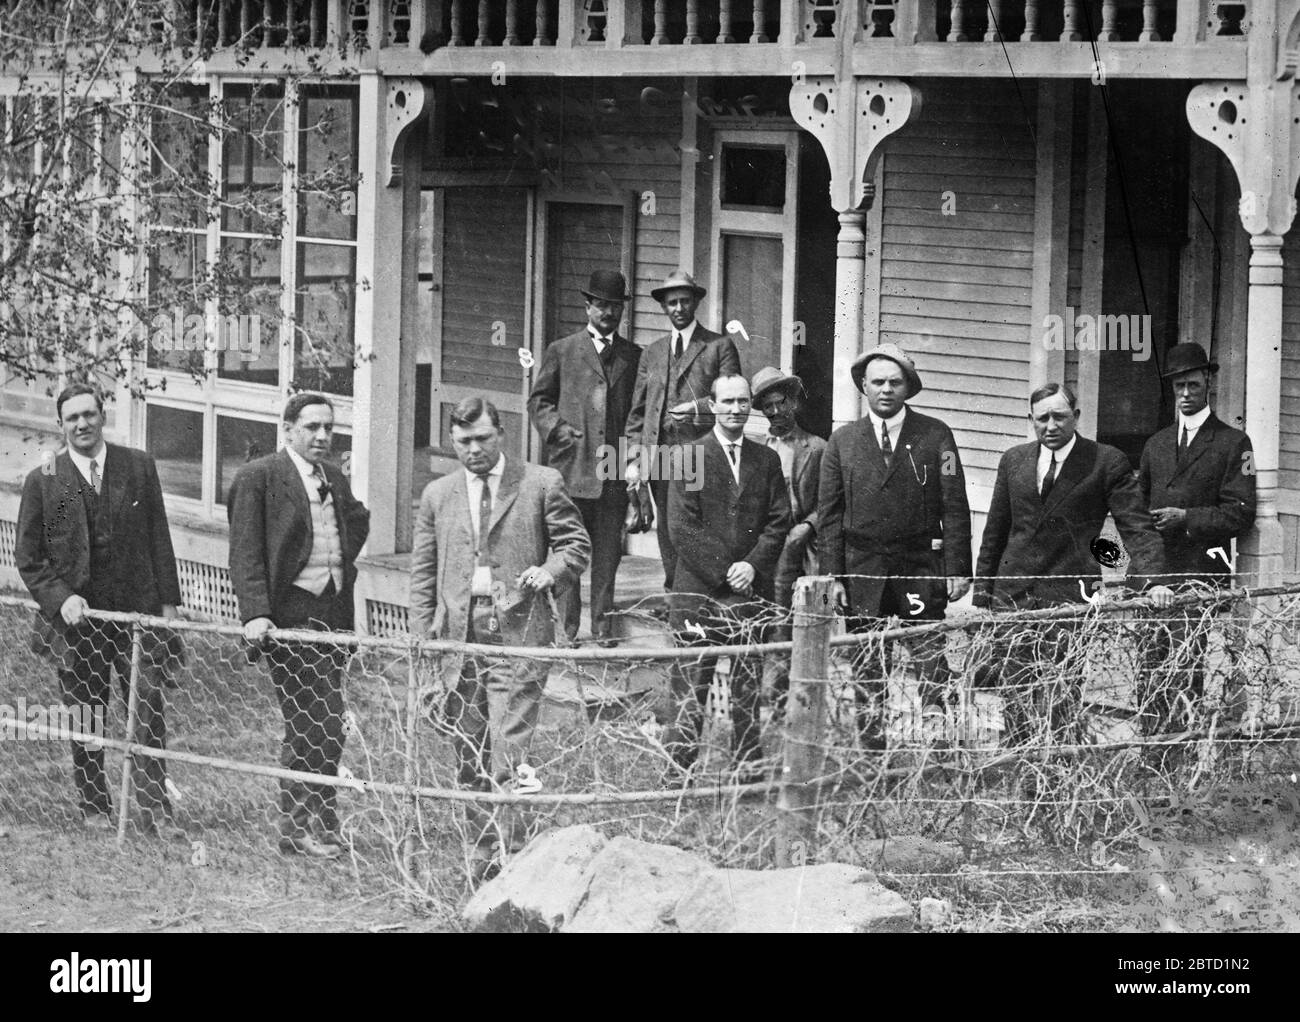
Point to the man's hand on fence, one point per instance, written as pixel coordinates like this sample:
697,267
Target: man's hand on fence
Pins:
256,629
537,579
1160,596
74,610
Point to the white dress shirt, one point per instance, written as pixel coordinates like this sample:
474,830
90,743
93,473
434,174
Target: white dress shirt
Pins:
727,444
599,340
1192,423
326,558
481,584
1045,460
83,463
895,426
685,335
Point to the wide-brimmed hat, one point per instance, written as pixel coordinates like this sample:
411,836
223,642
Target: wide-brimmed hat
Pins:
1183,358
676,279
606,286
770,378
895,354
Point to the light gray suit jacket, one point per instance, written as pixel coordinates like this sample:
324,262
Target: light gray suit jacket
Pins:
533,523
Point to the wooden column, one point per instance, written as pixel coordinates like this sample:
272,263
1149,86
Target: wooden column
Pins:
850,267
1051,229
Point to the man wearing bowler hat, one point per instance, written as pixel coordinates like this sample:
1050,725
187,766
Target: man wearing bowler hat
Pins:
670,404
579,405
893,518
778,396
1198,478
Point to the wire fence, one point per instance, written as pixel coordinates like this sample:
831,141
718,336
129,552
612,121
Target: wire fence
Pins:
1047,743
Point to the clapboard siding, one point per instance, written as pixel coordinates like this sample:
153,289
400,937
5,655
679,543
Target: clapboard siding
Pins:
955,290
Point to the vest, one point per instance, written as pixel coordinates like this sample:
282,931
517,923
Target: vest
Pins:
99,531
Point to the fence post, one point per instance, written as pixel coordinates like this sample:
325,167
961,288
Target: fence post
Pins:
409,776
128,758
803,748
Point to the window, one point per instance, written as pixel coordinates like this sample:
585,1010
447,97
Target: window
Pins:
257,182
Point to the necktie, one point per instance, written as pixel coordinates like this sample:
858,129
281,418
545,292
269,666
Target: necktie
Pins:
484,519
677,347
733,452
607,355
1049,480
1183,443
94,475
322,486
886,447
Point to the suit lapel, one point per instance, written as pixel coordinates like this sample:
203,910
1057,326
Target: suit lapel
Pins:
1200,444
898,440
507,491
1076,466
622,359
115,480
691,353
716,462
70,482
291,485
589,356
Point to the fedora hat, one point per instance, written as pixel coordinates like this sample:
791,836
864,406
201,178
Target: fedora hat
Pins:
676,279
769,378
606,286
1183,358
895,354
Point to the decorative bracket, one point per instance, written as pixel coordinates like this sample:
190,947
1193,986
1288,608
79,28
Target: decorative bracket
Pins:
851,132
1288,42
409,99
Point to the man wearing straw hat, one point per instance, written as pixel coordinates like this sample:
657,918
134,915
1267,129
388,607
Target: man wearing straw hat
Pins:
579,405
893,519
1197,476
778,396
670,403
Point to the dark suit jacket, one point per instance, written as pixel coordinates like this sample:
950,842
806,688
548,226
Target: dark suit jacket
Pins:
874,520
1215,484
719,524
271,531
707,357
53,542
1024,536
808,451
571,388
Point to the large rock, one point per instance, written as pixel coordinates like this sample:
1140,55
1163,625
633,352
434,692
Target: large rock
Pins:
911,853
829,898
540,888
634,886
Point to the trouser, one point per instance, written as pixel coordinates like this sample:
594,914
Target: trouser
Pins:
603,519
95,650
667,552
308,681
1041,683
491,716
875,662
1173,682
723,623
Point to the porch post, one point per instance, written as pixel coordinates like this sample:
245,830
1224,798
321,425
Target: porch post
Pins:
850,267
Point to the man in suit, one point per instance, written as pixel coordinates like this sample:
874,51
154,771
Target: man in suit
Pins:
893,518
670,403
1050,500
579,405
778,397
92,534
490,542
1197,476
295,533
728,528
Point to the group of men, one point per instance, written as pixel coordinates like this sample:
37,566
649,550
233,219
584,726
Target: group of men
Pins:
882,505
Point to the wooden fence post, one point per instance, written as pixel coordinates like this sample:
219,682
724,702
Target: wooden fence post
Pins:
804,751
132,714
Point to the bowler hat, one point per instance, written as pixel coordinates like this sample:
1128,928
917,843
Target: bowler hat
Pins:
1183,358
607,286
769,378
676,279
895,354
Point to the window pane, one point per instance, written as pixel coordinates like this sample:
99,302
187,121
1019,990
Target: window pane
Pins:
251,163
751,293
248,331
753,177
175,439
181,185
240,441
327,162
322,344
341,452
176,333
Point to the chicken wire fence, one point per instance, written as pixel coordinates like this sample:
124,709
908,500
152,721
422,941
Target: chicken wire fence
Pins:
1004,734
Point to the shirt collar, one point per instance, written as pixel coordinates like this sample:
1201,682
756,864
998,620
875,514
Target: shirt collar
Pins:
723,439
83,462
894,423
688,333
496,470
597,337
305,468
1193,422
1045,455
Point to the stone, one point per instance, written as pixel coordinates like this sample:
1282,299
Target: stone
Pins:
827,898
934,912
539,889
911,853
633,887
